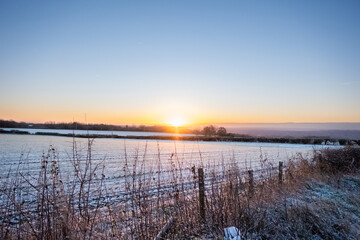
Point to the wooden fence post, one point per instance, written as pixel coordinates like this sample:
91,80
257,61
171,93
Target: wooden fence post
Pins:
201,193
251,182
281,166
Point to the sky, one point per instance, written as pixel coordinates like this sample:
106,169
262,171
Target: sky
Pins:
149,62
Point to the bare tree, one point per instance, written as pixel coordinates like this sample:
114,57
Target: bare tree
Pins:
209,130
221,131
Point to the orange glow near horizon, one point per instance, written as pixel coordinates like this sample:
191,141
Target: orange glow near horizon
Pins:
139,119
183,116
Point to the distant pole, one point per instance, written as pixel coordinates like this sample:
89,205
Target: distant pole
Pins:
281,167
251,182
201,193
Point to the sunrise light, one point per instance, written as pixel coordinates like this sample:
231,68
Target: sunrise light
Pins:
177,122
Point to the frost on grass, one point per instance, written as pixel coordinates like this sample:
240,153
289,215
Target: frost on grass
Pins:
317,210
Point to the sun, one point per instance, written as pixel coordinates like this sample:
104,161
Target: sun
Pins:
176,122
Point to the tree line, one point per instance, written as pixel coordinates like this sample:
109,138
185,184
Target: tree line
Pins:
82,126
212,131
206,131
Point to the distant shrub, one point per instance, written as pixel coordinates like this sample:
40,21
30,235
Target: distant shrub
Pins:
338,160
209,130
221,131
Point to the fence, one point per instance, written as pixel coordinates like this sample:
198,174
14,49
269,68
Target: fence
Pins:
138,194
251,186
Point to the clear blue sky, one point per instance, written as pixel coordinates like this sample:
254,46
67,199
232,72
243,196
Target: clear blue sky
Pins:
200,61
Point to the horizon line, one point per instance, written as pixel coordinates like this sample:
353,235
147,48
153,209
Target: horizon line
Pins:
190,124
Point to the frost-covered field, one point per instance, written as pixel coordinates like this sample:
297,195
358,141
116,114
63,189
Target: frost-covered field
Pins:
121,159
28,150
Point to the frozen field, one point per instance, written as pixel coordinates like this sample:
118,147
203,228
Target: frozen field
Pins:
123,168
28,149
